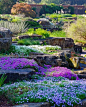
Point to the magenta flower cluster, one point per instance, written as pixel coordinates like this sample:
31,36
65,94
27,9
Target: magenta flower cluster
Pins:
7,63
61,71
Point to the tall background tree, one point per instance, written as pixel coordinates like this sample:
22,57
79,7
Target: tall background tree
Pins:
50,9
6,5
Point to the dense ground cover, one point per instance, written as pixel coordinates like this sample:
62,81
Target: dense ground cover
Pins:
22,50
7,63
60,91
51,84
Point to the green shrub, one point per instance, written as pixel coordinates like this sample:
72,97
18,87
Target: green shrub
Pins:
77,30
28,42
80,16
84,49
2,79
42,32
66,15
30,31
39,31
15,20
53,16
32,24
58,34
74,15
11,49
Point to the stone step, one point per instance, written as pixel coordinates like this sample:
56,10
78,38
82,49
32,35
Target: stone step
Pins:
82,76
17,74
46,104
41,104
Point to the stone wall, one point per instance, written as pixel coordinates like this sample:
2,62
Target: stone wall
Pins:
5,38
63,42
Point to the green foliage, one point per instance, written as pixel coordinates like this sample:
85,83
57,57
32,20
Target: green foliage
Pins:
16,39
65,2
84,49
51,48
53,16
71,9
19,27
50,9
80,16
6,5
58,15
15,20
11,49
58,34
28,42
30,31
32,24
2,79
39,31
74,15
42,32
77,30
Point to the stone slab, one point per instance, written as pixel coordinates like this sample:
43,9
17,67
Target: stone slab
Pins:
41,104
18,74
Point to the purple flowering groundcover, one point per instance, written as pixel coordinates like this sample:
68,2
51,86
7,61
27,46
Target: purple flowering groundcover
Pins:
7,63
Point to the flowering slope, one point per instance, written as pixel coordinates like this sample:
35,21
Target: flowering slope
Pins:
63,93
7,63
34,48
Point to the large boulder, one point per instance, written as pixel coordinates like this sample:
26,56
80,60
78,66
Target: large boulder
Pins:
5,38
78,48
46,23
65,43
33,36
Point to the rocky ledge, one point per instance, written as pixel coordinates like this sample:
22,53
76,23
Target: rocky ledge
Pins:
41,104
18,74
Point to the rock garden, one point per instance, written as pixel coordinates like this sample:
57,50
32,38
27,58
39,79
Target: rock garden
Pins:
41,65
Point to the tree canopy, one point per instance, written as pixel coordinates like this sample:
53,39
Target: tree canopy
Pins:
23,8
6,5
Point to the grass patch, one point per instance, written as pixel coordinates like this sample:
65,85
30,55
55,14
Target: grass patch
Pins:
28,42
58,34
84,48
81,41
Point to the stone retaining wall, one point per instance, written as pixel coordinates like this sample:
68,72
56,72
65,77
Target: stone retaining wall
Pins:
5,38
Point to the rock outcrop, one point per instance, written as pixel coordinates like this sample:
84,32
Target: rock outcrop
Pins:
65,43
5,38
46,23
33,36
17,74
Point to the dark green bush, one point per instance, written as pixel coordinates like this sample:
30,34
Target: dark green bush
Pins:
32,24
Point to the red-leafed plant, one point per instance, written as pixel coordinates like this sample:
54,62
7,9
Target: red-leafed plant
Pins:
23,8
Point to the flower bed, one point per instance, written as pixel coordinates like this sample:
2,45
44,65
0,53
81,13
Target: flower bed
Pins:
59,92
7,63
